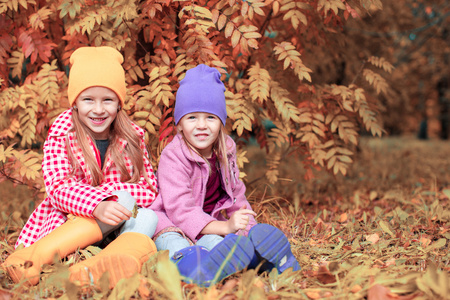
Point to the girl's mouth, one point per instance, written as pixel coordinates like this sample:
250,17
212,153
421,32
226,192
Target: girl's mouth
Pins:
98,121
201,136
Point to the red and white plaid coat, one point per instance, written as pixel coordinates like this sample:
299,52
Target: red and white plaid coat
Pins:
74,194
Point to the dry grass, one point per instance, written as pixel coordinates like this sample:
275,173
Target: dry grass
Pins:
382,232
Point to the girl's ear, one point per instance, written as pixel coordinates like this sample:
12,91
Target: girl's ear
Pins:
179,129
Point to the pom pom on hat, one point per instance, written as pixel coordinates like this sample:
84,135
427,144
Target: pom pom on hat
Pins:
96,66
201,90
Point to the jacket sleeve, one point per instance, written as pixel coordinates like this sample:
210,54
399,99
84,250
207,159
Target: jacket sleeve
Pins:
175,184
144,192
65,192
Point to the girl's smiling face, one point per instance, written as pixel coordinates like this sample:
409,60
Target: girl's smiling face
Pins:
201,131
97,109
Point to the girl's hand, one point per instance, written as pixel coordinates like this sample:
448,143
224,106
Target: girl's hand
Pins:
240,218
111,213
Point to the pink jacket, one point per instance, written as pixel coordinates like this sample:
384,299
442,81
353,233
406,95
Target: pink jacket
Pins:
182,178
73,194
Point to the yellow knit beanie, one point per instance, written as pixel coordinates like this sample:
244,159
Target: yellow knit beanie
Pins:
96,66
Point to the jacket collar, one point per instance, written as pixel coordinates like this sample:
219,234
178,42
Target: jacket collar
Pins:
62,125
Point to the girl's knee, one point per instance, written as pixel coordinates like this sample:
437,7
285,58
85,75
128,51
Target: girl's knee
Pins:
209,241
171,241
145,222
146,215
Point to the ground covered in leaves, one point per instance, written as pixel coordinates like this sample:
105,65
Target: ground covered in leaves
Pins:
382,232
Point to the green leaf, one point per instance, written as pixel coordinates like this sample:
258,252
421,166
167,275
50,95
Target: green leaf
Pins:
437,245
125,288
446,192
168,273
385,226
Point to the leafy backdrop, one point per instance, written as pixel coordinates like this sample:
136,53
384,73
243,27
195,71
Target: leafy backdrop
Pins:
258,46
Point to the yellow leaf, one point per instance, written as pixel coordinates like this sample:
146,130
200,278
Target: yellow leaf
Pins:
386,228
154,74
203,11
288,6
287,63
252,35
170,277
141,114
150,128
331,162
244,8
215,15
221,22
244,45
247,28
165,58
229,29
235,38
126,287
330,153
253,43
275,7
257,10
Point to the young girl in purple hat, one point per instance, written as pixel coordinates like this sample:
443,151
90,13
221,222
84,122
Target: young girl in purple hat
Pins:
205,220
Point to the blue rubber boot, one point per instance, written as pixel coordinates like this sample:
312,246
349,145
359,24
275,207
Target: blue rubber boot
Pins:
189,259
272,245
203,267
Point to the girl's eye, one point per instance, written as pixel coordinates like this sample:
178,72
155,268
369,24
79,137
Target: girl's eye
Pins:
212,117
87,99
191,117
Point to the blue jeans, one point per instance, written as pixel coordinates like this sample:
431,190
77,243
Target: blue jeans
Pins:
145,221
173,241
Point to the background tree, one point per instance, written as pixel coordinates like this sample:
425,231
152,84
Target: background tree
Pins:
414,36
281,61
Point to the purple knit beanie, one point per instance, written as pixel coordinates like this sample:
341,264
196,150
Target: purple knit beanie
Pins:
201,91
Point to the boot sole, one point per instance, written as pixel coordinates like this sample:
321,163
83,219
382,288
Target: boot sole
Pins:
231,255
271,244
118,266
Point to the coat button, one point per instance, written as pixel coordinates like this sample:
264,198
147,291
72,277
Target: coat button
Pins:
234,200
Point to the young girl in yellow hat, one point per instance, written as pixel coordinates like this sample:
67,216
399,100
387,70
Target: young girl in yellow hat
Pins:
96,172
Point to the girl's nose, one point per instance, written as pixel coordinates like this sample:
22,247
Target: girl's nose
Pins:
99,108
201,123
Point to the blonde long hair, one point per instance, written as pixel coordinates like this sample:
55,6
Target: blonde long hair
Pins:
121,127
219,148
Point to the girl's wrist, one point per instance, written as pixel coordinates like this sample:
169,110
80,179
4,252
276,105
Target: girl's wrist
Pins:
229,227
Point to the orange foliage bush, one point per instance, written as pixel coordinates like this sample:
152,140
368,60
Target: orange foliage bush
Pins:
257,45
